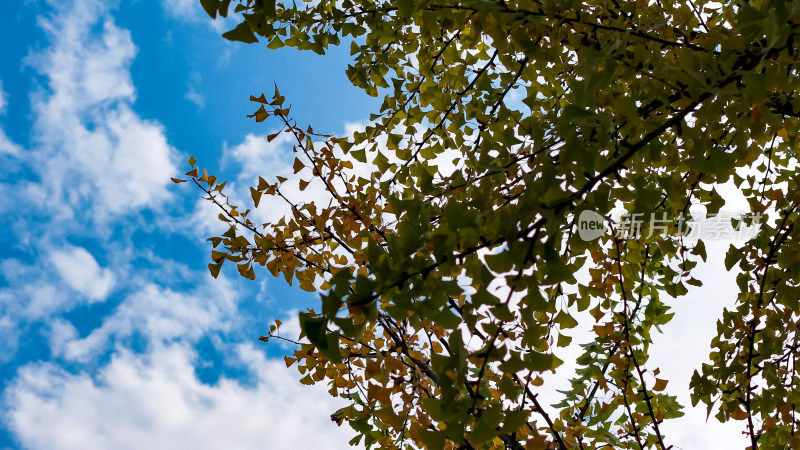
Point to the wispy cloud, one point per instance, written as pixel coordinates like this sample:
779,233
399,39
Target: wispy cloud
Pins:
194,94
155,401
95,155
159,315
97,169
80,271
3,99
190,11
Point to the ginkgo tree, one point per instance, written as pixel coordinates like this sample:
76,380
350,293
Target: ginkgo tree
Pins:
447,252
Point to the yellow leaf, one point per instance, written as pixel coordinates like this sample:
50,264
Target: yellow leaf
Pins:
214,268
246,270
256,196
289,361
261,99
178,180
738,414
660,384
261,115
538,442
303,185
600,330
298,165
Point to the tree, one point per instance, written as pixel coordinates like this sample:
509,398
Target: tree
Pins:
507,130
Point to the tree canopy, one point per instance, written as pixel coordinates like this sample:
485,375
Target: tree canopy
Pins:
448,250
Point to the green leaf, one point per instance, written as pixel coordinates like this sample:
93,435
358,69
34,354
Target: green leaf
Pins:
315,329
242,33
210,6
505,124
733,256
541,362
700,250
359,155
269,7
565,320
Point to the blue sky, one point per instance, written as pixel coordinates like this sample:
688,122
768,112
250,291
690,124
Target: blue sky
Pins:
115,335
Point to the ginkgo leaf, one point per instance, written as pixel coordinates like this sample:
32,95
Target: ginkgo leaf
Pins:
298,165
482,217
260,99
242,33
256,195
214,268
739,414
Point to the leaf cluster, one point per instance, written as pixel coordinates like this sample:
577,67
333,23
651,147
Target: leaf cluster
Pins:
447,272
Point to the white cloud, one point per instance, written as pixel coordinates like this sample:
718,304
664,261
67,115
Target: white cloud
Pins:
96,154
93,152
80,271
8,147
259,157
255,156
82,70
685,344
185,10
289,330
60,334
3,99
33,294
193,94
155,401
160,315
204,221
95,159
191,11
195,97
